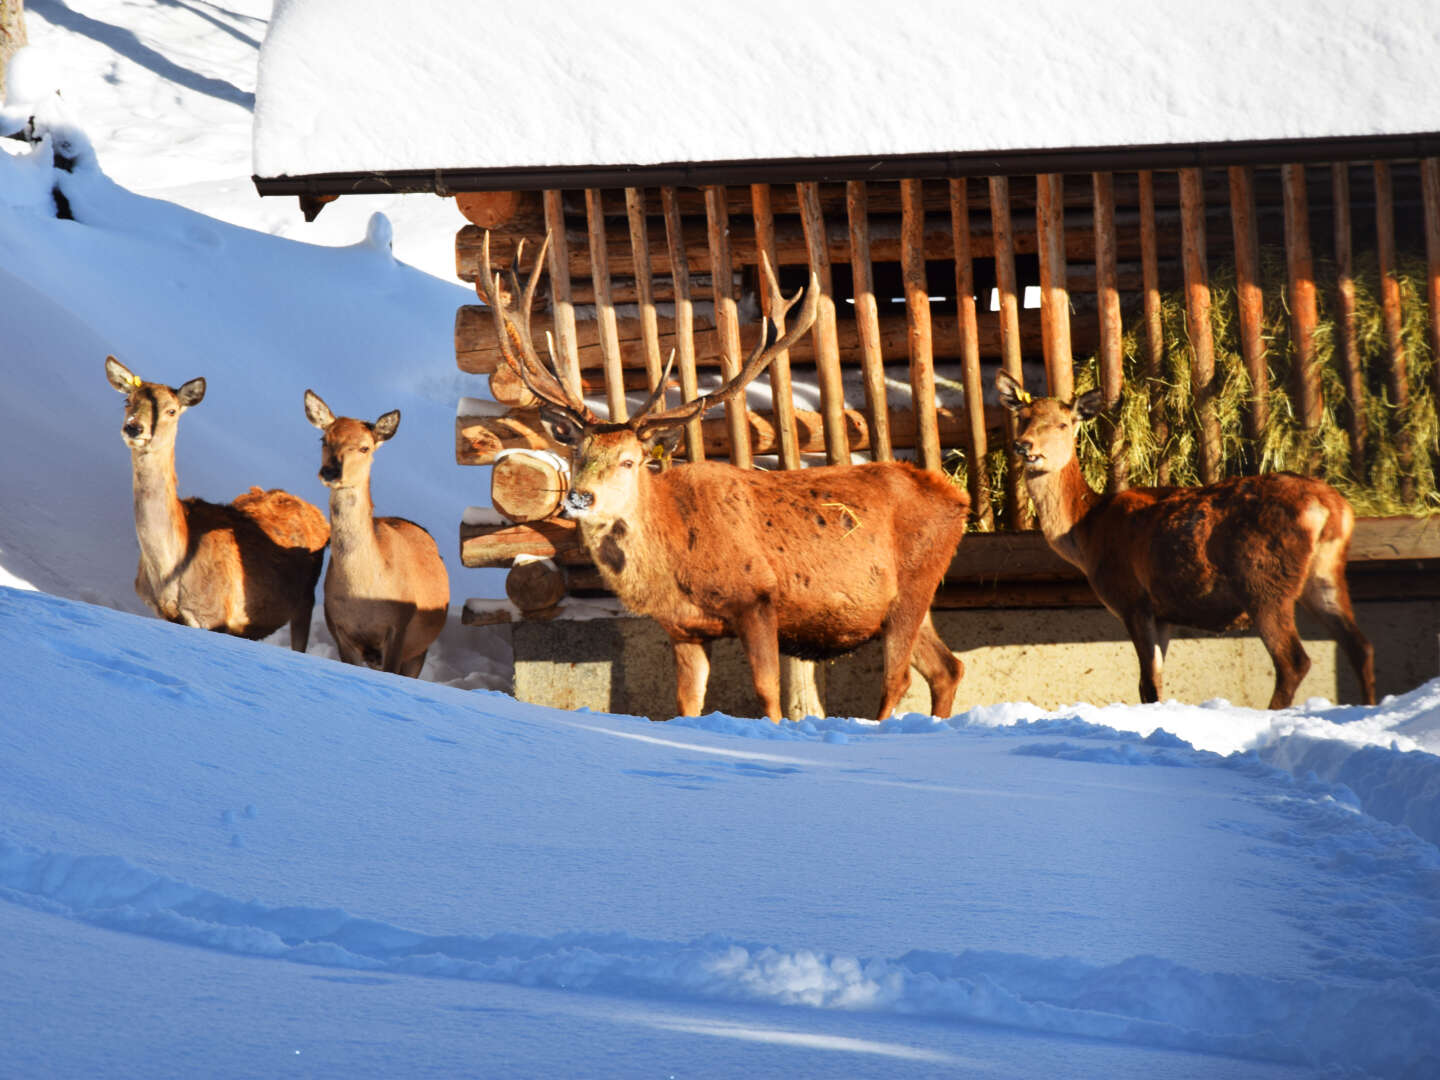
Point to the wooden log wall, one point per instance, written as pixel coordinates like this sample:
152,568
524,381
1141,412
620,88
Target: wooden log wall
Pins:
925,288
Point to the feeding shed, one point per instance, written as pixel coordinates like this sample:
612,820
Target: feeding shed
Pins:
1227,218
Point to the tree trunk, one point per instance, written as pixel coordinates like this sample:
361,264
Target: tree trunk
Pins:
12,35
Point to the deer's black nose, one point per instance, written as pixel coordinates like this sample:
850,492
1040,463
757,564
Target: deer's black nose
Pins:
579,500
133,430
1022,447
330,472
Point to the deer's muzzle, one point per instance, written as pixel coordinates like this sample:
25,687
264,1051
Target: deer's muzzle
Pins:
578,502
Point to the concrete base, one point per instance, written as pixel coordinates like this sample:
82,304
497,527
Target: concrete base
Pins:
1049,656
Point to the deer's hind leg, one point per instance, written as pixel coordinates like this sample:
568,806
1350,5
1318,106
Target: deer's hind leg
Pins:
1327,597
300,624
1276,626
939,667
411,668
692,673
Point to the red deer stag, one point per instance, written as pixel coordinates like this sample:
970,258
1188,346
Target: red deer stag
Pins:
814,562
386,592
1228,555
245,568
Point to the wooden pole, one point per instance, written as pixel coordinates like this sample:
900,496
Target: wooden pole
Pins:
1054,297
1017,502
867,317
644,284
1154,327
605,310
917,308
1197,321
1251,302
684,320
781,394
1430,194
727,320
1397,375
1112,370
827,347
1347,346
977,446
1300,268
562,310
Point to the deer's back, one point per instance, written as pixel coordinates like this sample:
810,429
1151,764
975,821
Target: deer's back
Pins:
413,559
287,519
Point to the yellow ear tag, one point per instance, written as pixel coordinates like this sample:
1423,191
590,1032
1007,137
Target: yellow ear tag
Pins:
1024,397
659,454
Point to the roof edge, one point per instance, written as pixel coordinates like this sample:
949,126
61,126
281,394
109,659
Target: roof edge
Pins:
886,167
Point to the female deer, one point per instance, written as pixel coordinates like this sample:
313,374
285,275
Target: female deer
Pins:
1224,556
386,592
245,568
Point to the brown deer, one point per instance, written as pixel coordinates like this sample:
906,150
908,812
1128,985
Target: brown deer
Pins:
814,562
387,594
1224,556
245,568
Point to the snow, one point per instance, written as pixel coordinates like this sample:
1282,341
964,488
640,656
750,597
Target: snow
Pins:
645,82
221,858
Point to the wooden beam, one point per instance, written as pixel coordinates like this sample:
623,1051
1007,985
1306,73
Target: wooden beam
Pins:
1347,346
498,545
1197,322
917,310
1054,298
562,311
867,317
684,320
1017,500
1154,327
825,332
727,320
1251,302
976,443
781,392
1300,269
645,292
1111,359
1397,376
605,311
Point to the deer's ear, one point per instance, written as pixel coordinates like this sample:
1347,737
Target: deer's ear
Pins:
121,377
561,427
1013,396
387,425
662,443
192,393
317,412
1090,404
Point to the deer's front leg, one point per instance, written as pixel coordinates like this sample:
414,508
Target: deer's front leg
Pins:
1150,640
759,630
692,673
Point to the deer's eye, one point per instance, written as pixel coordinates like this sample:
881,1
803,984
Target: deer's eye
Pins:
364,449
627,464
169,412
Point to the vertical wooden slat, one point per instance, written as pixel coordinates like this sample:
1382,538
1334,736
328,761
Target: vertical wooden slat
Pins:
1017,503
1251,302
684,318
825,335
917,310
1397,375
1197,320
1300,269
1430,195
976,438
727,321
1347,347
1054,296
604,309
562,310
780,390
644,286
1112,371
1154,326
867,320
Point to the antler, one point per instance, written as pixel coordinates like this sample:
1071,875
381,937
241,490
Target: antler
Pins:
513,329
757,361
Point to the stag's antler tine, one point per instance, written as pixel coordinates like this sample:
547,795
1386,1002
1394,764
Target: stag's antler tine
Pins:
657,396
759,358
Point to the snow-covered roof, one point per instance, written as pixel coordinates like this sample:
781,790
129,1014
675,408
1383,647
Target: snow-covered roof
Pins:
351,86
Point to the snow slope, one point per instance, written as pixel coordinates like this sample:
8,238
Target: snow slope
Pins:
219,858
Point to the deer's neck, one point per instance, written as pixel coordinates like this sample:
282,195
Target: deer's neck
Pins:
160,524
1062,501
352,526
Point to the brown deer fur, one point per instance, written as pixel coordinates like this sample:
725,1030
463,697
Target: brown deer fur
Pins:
387,594
1229,555
814,562
245,568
